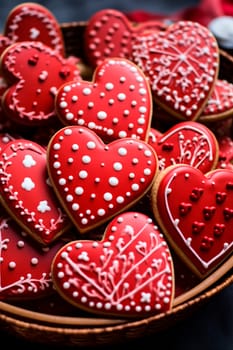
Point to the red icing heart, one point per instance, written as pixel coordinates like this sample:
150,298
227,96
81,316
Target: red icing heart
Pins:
35,72
195,211
26,193
25,268
128,273
189,143
109,33
95,181
34,22
182,66
116,104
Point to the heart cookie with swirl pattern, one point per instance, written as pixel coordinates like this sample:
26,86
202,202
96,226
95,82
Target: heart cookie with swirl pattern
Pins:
95,181
182,65
129,273
195,212
26,193
187,142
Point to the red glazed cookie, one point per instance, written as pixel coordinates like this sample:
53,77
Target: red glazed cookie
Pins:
26,192
182,66
95,181
129,273
33,22
189,143
25,268
109,33
195,212
34,72
116,104
220,103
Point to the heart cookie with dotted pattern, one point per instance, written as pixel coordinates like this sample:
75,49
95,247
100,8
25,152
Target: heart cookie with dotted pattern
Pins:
116,104
187,142
109,33
34,72
195,212
129,273
95,181
25,268
182,65
33,22
26,192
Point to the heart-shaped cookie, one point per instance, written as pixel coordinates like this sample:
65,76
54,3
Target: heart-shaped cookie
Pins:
34,72
129,273
33,22
95,181
182,65
26,192
109,33
116,104
195,212
187,142
25,267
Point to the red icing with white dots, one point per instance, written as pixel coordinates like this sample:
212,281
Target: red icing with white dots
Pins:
34,72
25,267
95,181
220,102
189,143
181,64
109,33
116,104
195,212
34,22
26,192
128,273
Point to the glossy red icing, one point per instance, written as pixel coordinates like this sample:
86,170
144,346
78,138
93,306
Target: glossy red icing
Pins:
95,181
195,212
128,273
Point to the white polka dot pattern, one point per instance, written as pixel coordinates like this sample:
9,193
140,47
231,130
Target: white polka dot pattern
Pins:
101,180
116,104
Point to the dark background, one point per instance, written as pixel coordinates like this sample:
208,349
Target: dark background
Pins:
211,326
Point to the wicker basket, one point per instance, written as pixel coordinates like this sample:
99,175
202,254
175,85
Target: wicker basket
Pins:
84,329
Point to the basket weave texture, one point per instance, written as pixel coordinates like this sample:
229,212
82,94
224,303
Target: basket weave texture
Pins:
85,331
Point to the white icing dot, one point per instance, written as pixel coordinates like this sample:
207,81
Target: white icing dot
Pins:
121,96
69,116
101,115
75,147
75,206
86,159
56,146
68,132
56,165
117,166
113,181
69,198
79,190
34,261
86,91
109,86
12,265
66,285
101,212
120,199
135,187
62,181
20,244
107,196
83,174
122,151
